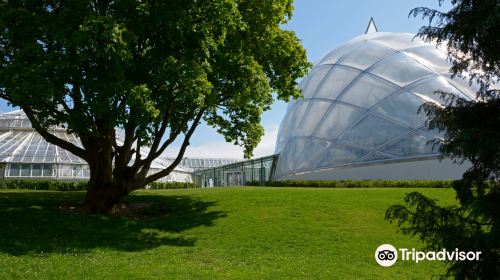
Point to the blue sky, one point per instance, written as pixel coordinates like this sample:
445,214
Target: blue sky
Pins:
322,25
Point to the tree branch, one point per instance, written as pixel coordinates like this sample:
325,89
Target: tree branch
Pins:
54,139
177,160
159,133
146,162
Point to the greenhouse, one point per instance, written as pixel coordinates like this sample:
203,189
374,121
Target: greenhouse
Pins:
204,163
25,154
254,172
358,118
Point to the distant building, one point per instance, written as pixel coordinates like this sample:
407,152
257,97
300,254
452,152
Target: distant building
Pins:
24,154
204,163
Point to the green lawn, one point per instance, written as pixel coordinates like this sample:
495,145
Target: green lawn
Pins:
223,233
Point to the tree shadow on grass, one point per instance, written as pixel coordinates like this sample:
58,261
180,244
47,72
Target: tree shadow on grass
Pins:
31,223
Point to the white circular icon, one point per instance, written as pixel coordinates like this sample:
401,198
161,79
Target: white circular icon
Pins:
386,255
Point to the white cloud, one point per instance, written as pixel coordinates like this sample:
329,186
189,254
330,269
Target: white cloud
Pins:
268,142
222,149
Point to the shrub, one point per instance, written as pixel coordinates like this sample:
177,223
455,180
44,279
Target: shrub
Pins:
171,185
363,183
55,185
47,185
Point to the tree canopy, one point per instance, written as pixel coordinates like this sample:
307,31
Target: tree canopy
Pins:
152,69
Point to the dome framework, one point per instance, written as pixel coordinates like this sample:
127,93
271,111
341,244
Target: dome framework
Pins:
360,105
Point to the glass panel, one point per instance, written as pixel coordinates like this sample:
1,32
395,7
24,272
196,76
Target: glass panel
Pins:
312,153
340,155
25,170
63,155
399,41
339,118
296,118
366,55
286,163
37,170
13,142
279,147
337,53
400,69
285,123
86,172
74,159
464,86
338,78
402,107
303,82
47,170
426,88
294,151
313,115
373,132
14,169
25,123
315,78
247,169
430,56
367,91
50,155
413,144
77,171
66,171
374,157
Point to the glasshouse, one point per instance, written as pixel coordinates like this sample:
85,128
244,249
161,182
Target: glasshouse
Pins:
254,172
358,118
204,163
25,154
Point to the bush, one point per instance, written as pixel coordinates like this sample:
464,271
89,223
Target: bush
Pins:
55,185
363,183
171,185
46,185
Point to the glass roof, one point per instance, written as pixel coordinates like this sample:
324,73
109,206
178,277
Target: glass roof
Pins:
360,104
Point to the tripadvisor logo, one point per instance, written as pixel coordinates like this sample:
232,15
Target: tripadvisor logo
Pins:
387,255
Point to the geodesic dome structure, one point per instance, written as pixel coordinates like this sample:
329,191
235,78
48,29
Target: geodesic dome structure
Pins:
25,154
360,105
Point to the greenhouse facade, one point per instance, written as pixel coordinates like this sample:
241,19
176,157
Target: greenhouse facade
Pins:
25,154
359,116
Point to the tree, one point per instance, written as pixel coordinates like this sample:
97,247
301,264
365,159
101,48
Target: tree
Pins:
471,129
153,69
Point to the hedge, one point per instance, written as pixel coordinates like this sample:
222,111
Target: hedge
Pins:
46,185
363,183
171,185
55,185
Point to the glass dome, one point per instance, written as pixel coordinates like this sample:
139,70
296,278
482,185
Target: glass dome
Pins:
25,154
360,105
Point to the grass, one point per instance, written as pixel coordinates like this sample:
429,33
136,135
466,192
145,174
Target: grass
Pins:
223,233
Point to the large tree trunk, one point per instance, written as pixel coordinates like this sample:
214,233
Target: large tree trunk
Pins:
103,190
